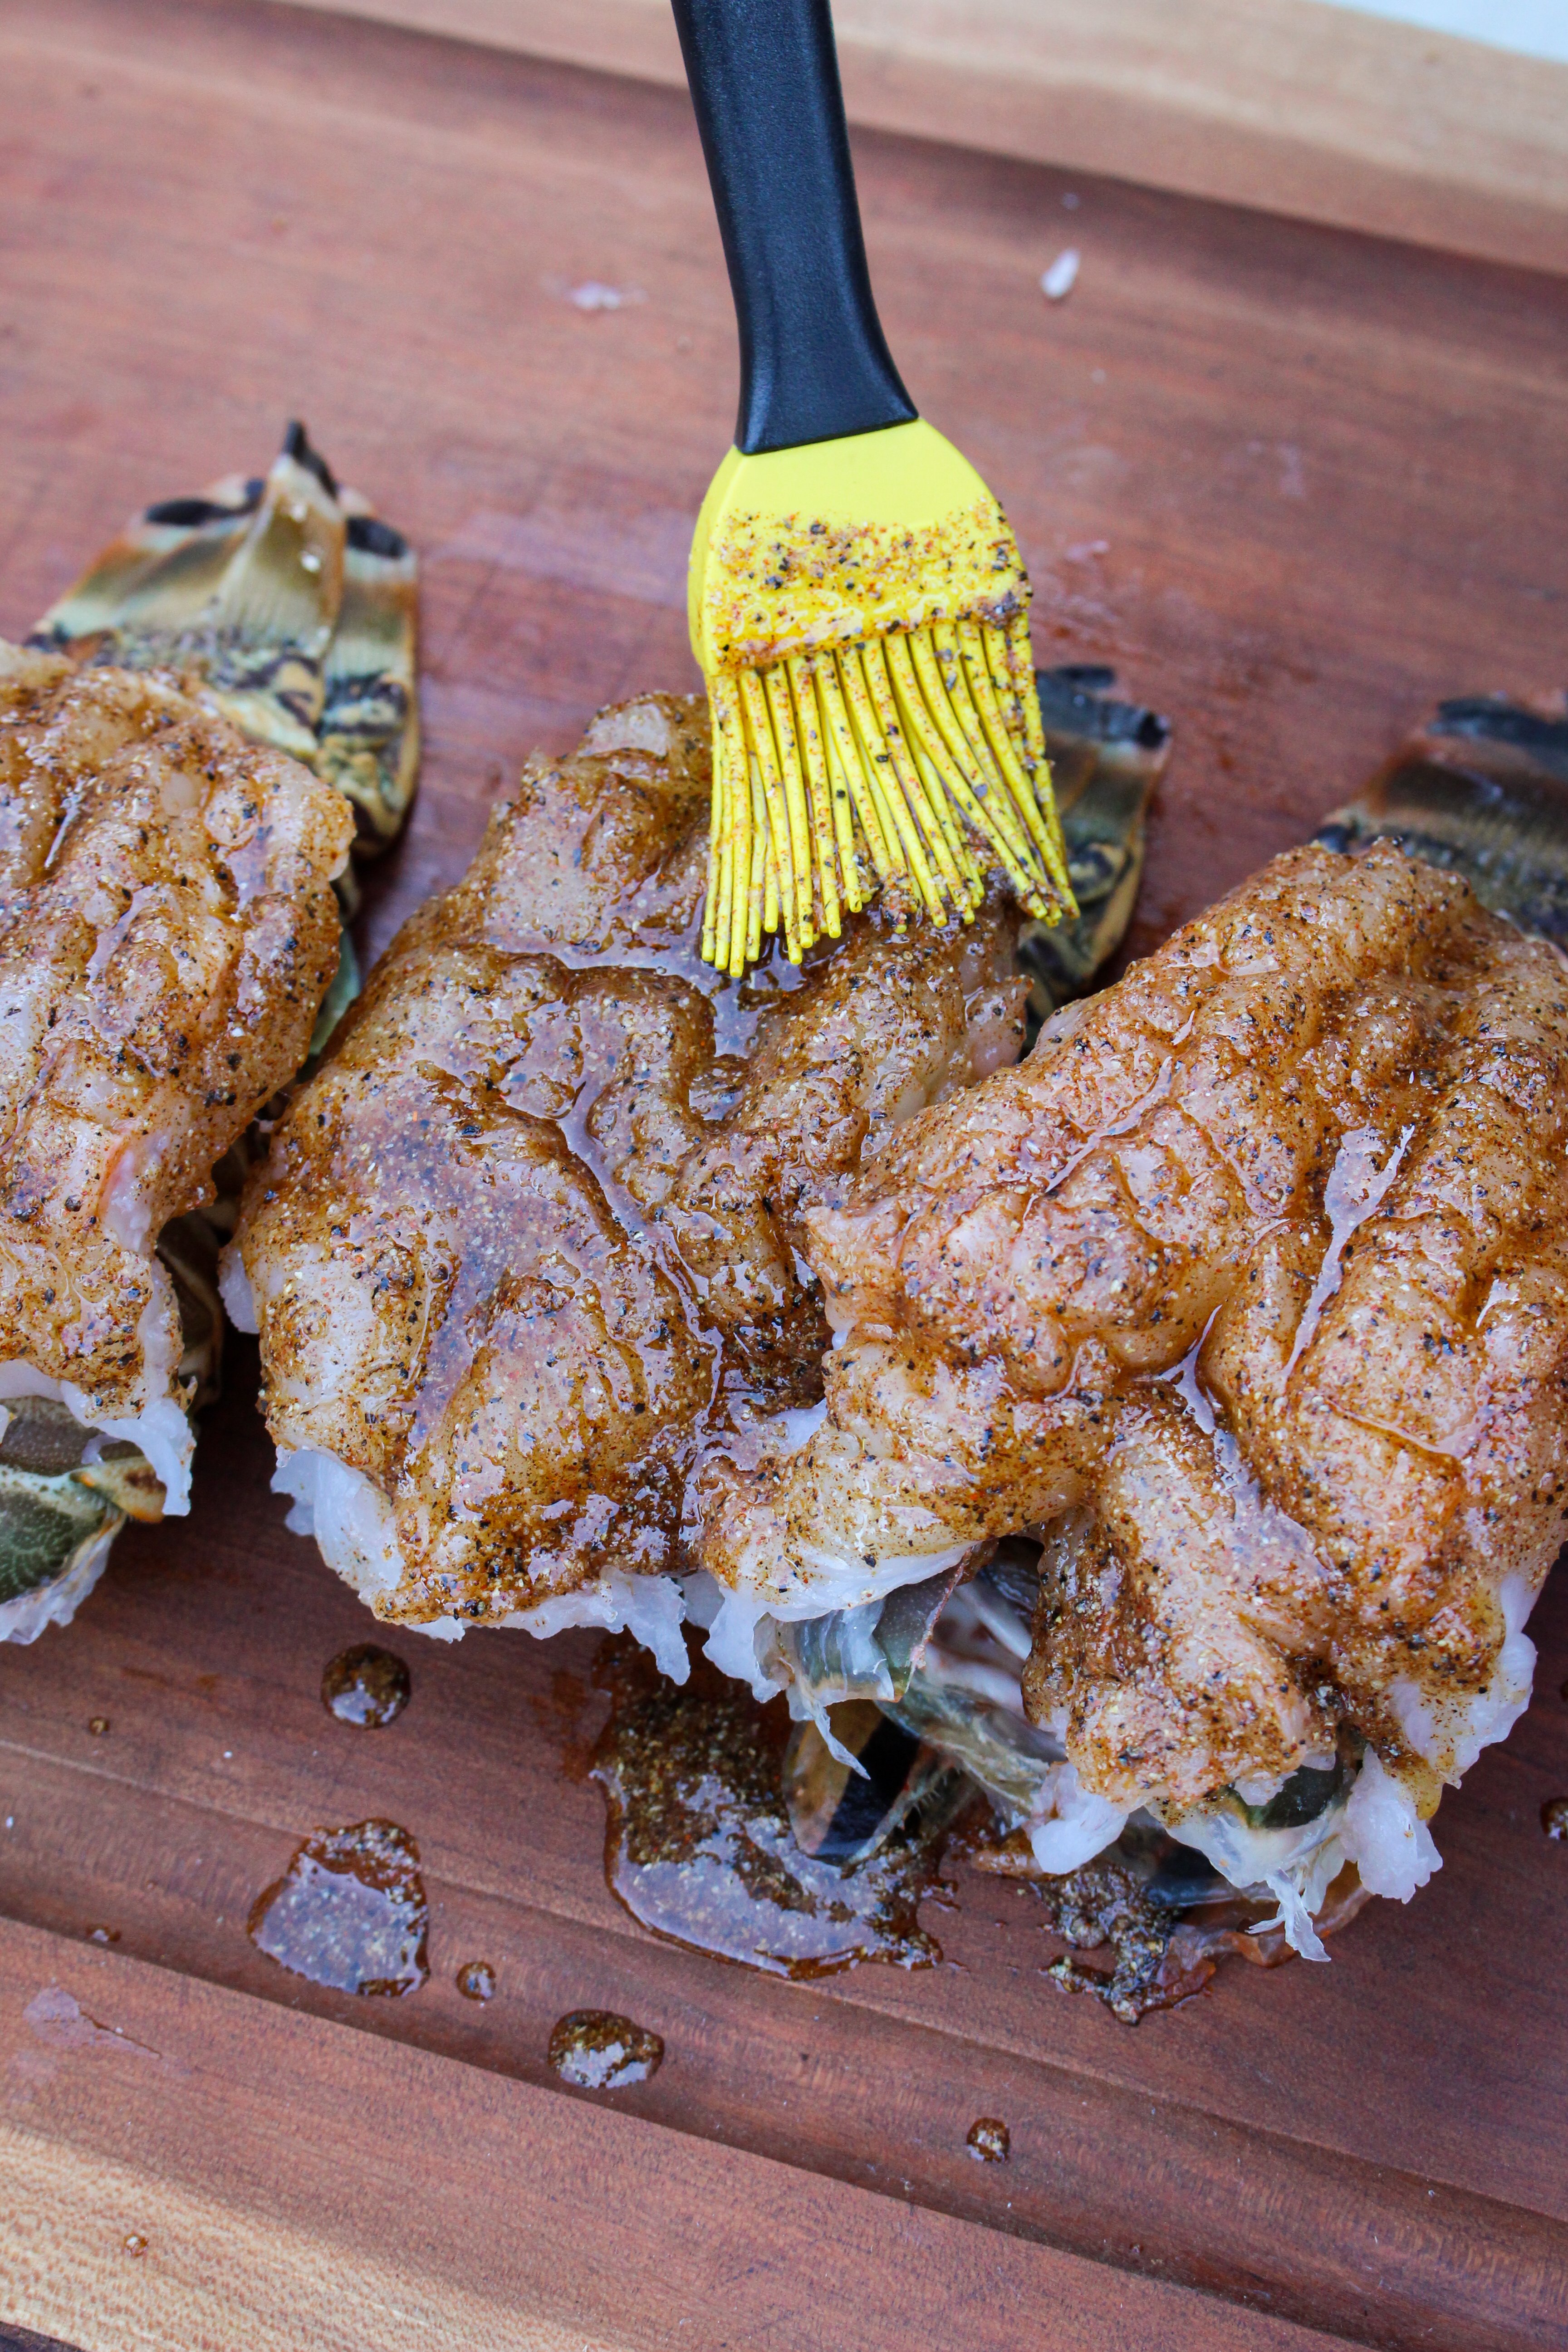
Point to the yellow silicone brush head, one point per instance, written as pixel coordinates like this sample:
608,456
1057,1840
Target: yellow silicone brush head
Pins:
860,614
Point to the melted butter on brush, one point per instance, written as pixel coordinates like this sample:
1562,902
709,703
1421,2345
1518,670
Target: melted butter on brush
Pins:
781,585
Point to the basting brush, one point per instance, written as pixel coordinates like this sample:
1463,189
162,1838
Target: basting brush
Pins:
858,602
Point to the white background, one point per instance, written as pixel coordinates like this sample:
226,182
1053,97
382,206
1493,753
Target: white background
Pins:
1539,28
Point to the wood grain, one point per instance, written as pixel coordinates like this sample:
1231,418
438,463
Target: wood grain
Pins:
1296,484
1288,2141
300,2183
1286,106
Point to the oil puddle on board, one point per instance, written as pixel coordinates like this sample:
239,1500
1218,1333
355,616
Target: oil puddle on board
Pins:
597,2050
698,1844
349,1911
368,1687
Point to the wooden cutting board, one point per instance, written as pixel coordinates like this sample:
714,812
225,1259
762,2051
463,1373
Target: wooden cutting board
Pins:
1295,486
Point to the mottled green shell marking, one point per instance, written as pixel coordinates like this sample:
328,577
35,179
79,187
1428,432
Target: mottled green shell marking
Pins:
48,1515
297,608
1483,791
295,603
63,1490
45,1523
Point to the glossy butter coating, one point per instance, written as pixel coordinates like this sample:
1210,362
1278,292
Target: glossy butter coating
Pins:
528,1245
1249,1286
167,933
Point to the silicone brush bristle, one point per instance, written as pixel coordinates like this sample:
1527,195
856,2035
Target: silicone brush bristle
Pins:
912,764
876,726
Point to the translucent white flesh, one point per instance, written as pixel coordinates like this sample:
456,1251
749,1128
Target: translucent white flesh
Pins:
161,1427
234,1289
977,1646
1377,1826
1072,1826
353,1523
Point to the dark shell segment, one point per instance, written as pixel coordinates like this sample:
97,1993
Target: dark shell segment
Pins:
1078,705
1107,756
841,1815
294,601
1493,719
1482,792
42,1437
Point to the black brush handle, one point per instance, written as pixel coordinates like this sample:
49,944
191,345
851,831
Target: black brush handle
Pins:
814,364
